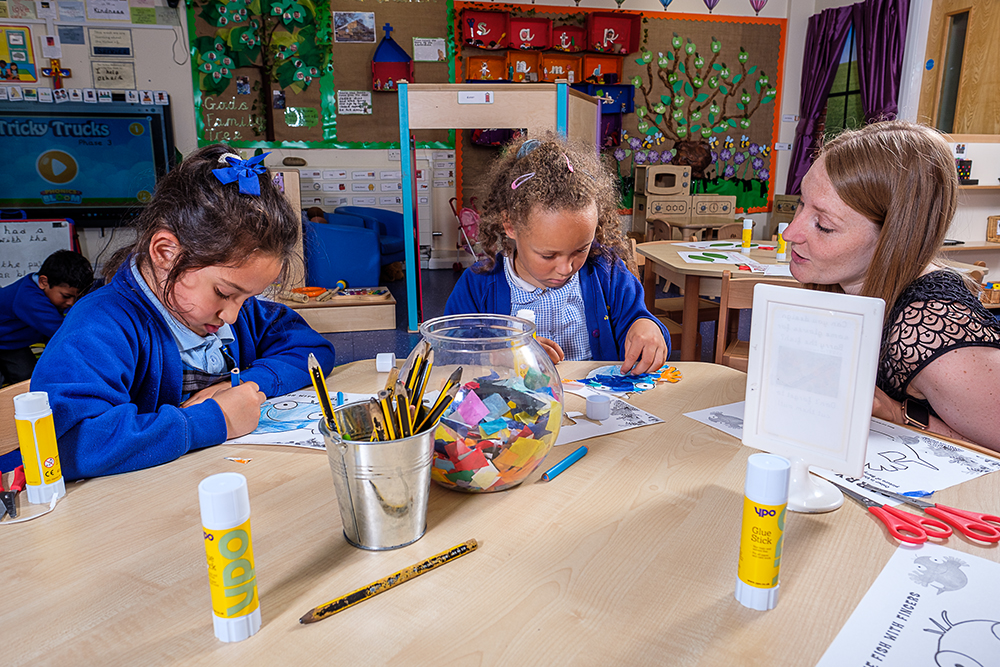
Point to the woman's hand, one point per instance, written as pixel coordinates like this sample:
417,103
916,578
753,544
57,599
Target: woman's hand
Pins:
645,349
552,349
241,406
885,408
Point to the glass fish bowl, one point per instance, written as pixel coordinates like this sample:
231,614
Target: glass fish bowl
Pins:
507,407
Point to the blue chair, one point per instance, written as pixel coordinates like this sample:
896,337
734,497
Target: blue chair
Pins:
389,225
340,252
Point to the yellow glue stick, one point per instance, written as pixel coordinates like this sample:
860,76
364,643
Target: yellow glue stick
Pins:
232,576
36,436
765,497
782,254
747,235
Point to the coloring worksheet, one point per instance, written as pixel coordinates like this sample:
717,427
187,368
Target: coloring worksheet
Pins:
898,459
577,426
930,606
292,420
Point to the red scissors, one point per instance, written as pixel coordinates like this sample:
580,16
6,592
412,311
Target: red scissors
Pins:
904,526
974,525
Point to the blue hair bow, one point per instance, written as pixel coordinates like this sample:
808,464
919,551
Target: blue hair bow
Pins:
244,171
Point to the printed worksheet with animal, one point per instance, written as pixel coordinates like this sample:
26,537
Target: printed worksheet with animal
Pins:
930,606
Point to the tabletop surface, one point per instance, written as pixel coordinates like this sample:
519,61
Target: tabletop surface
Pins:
667,253
629,557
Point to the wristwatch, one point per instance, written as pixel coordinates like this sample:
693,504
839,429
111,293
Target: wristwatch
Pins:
916,414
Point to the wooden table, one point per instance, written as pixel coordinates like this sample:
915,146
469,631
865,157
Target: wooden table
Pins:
664,261
703,280
628,558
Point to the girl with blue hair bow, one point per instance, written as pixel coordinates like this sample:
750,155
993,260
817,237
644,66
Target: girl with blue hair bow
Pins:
141,373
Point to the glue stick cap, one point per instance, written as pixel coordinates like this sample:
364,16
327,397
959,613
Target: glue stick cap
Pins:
526,314
30,405
767,479
747,223
225,501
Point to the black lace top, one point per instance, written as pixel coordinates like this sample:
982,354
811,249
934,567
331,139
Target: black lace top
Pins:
937,313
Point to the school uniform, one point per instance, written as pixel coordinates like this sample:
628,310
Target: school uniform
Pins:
115,384
612,299
27,316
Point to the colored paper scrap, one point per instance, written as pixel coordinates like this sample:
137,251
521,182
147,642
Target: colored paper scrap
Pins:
497,405
471,409
494,426
485,477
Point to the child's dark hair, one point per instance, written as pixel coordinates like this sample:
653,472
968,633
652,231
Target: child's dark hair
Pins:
65,267
215,224
567,177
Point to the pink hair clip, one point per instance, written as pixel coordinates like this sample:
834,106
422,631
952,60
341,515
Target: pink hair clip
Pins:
521,180
568,165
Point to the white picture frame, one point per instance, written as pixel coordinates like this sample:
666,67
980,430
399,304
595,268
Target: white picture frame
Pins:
811,376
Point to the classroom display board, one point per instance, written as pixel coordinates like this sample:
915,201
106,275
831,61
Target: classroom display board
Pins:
701,89
299,74
24,245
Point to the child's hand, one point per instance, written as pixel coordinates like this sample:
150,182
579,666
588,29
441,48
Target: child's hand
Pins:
552,349
206,393
645,349
241,406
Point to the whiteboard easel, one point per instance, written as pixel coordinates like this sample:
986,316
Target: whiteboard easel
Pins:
24,245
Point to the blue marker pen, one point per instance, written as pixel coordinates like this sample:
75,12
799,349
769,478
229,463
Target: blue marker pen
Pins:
558,468
340,398
235,375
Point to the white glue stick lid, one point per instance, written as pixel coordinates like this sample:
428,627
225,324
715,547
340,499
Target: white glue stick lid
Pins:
747,223
598,407
385,362
767,479
782,226
526,314
225,501
31,404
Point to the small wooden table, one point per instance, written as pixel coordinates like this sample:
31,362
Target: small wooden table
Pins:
628,558
664,261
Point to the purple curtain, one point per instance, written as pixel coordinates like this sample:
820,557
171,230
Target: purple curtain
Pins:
824,45
880,35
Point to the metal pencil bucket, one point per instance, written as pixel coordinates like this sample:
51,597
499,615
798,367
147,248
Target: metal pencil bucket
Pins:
382,487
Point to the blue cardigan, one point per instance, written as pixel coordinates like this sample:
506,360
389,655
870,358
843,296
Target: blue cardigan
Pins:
612,297
26,315
113,375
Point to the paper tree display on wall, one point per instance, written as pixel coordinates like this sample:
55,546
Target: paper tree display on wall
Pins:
390,63
285,41
691,99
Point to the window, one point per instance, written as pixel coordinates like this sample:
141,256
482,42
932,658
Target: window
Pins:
952,72
843,105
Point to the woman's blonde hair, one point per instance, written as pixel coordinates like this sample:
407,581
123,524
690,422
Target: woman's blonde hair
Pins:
902,177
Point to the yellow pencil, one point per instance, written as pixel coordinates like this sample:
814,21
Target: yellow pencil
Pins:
319,384
393,580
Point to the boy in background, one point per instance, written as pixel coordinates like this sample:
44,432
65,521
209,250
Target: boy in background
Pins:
32,308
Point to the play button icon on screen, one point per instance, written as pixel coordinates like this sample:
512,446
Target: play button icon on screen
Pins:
57,167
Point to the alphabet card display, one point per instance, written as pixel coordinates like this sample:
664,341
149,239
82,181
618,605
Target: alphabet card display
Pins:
930,606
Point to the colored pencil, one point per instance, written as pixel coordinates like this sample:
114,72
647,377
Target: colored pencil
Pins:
558,468
393,580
